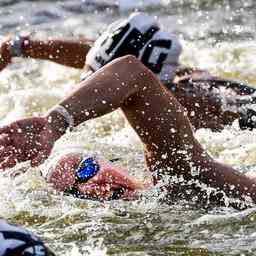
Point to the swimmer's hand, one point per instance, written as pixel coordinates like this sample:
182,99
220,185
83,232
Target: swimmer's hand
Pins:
5,55
29,139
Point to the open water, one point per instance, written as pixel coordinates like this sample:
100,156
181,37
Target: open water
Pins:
216,34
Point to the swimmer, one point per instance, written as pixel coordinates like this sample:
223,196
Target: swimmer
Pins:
89,176
210,102
170,148
17,241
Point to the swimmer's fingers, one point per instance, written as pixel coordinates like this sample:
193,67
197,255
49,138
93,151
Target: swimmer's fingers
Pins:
44,145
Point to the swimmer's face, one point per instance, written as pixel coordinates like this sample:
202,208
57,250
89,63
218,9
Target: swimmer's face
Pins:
108,179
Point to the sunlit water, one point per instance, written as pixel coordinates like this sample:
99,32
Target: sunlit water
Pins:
217,35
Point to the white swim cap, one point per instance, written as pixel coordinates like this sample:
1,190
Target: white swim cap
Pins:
139,35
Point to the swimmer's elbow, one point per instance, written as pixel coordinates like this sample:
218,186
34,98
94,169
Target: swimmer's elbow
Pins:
131,60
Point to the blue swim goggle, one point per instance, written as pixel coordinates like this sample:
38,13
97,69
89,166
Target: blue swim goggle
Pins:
86,169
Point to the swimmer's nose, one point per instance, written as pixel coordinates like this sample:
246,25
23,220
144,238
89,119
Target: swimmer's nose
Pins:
115,177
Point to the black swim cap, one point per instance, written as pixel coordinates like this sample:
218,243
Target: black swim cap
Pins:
17,241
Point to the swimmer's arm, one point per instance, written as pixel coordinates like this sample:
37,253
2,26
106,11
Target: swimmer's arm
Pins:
65,52
5,56
224,178
98,95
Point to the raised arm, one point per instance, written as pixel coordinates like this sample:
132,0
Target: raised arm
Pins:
159,120
71,53
154,113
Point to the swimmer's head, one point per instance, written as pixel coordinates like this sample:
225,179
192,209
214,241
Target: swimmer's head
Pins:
90,176
141,36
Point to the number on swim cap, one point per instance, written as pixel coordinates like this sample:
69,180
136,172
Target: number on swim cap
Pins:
140,36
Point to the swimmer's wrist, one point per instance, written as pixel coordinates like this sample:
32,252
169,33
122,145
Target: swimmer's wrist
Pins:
17,45
60,120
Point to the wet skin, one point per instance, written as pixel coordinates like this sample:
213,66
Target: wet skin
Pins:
170,147
209,114
101,186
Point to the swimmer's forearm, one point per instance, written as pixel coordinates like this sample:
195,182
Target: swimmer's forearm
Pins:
225,178
64,52
105,90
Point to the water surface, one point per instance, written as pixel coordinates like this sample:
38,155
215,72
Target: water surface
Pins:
217,35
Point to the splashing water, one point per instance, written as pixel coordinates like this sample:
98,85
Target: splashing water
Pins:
217,35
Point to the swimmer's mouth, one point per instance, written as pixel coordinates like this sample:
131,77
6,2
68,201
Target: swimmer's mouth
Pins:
114,160
99,193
